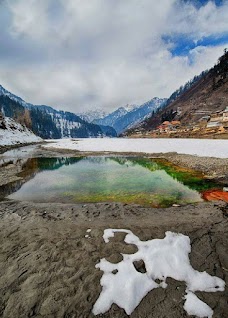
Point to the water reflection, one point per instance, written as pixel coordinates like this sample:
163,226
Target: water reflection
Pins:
99,179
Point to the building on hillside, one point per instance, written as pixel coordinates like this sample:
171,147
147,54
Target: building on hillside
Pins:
218,119
164,127
225,114
225,125
175,124
205,118
213,124
168,126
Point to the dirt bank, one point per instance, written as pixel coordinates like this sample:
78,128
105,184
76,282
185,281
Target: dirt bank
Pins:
213,168
47,265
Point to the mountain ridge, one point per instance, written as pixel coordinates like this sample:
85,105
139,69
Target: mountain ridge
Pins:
47,122
123,117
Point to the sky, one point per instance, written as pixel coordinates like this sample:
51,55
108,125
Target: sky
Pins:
78,55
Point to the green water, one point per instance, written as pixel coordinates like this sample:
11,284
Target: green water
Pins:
106,179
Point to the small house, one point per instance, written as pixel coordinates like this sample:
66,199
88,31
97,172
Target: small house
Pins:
213,124
225,115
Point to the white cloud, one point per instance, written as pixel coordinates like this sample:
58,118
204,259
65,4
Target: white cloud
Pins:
29,17
106,53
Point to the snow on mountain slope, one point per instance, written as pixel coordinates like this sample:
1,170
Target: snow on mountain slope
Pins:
128,116
92,115
48,122
131,107
111,118
100,114
139,114
12,133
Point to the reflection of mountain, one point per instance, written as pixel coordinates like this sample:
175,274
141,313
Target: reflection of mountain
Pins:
93,169
143,162
27,169
192,180
55,163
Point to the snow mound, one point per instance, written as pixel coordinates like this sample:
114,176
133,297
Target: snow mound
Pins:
12,133
123,285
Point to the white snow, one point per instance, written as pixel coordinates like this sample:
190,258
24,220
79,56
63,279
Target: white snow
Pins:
123,285
65,125
194,306
93,114
16,134
199,147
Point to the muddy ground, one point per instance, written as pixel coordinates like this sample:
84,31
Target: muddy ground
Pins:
47,265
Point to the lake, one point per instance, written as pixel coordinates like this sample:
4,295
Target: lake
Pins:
144,181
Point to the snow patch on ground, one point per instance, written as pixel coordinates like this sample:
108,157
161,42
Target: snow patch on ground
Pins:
123,285
196,307
14,133
199,147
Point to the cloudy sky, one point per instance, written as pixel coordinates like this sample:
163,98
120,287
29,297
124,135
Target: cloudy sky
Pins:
83,54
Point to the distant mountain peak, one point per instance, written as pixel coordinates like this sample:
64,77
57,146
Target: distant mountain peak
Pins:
130,107
93,114
129,115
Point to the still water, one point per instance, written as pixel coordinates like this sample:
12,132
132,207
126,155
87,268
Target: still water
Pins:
105,179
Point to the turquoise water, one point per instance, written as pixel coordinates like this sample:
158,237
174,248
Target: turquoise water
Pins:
106,179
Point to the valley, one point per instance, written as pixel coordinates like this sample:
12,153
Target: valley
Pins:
114,176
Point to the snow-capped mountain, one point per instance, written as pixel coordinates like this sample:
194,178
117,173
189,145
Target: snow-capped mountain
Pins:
138,115
12,133
130,107
92,115
70,125
125,117
4,92
98,114
48,122
111,118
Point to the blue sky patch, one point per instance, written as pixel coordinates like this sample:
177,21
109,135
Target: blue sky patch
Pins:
181,45
200,3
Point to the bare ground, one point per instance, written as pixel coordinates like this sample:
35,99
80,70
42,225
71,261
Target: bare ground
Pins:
47,266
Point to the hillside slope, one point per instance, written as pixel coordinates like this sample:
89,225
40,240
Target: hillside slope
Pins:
207,95
12,133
